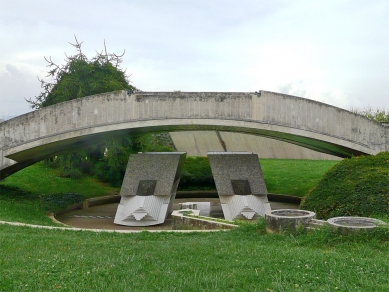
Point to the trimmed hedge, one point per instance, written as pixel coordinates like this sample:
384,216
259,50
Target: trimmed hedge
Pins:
358,186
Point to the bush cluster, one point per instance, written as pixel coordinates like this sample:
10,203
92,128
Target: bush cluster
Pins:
358,186
59,201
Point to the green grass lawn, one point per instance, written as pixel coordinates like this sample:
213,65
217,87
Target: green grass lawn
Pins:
292,176
244,259
40,179
20,193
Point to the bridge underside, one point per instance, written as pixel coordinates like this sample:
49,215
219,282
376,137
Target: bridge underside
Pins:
29,154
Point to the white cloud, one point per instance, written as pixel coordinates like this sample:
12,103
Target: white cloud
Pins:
15,86
332,51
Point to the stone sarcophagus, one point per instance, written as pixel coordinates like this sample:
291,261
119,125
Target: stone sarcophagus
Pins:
240,184
149,188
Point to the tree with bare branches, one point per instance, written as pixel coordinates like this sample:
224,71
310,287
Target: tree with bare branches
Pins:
80,76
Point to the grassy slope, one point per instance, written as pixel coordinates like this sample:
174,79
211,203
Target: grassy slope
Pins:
20,193
293,177
238,260
40,179
358,186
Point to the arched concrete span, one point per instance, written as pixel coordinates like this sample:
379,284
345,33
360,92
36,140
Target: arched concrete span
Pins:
61,127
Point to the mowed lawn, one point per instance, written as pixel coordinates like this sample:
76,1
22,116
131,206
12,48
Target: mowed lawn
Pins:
293,176
40,179
21,193
245,259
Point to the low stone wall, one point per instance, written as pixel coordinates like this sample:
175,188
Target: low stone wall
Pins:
180,221
101,201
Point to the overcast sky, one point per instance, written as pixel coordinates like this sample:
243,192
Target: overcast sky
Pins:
335,52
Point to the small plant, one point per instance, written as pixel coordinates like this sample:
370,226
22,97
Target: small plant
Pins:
378,115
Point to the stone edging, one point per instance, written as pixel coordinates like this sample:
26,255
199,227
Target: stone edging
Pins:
180,221
101,230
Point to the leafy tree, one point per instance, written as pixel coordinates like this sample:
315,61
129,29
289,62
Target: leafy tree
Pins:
80,77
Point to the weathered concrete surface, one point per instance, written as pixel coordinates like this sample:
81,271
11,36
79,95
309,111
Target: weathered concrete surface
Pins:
240,184
278,221
180,221
149,188
198,143
349,224
77,123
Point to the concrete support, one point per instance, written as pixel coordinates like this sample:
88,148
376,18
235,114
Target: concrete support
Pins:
240,184
149,188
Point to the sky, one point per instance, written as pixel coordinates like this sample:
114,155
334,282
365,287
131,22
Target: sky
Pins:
330,51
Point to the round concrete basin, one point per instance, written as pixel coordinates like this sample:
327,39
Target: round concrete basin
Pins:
290,220
353,224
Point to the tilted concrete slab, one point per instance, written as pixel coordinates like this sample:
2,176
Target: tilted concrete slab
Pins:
85,121
240,184
270,148
149,188
198,143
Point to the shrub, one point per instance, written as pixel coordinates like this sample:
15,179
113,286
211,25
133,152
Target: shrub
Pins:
71,172
358,186
58,202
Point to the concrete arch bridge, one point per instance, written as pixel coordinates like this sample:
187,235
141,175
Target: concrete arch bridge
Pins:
43,133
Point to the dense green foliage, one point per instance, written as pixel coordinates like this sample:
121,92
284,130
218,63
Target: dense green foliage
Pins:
196,175
358,186
244,259
80,77
60,201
